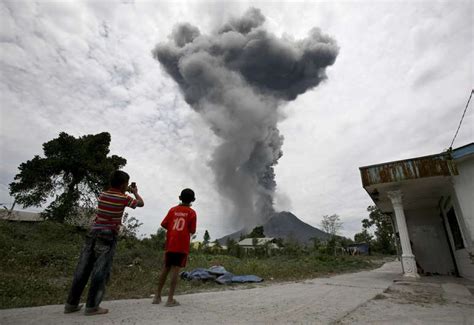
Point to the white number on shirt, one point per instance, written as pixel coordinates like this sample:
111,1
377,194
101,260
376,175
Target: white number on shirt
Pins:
178,224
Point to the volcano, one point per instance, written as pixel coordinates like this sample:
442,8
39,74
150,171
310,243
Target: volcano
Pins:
284,225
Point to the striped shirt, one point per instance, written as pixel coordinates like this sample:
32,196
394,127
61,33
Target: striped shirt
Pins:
111,205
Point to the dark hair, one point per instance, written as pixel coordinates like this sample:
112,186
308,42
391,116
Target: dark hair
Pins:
187,196
118,178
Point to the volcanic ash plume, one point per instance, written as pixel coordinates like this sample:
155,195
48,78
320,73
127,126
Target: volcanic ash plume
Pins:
235,79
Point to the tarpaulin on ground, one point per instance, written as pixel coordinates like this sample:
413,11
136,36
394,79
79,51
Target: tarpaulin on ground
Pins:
218,274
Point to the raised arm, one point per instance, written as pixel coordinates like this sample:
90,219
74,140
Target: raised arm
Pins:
139,199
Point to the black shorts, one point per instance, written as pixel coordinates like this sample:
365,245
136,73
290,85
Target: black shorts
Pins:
175,259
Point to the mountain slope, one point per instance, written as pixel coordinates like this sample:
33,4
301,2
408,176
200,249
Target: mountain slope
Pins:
287,226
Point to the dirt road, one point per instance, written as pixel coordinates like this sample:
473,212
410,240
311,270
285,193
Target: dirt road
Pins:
317,301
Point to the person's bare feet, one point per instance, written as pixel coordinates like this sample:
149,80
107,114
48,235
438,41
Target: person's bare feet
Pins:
96,311
156,300
172,303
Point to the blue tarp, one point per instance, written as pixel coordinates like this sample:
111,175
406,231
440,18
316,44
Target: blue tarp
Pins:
218,274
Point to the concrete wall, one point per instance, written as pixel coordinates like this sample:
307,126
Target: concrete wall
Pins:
462,200
464,189
430,245
465,263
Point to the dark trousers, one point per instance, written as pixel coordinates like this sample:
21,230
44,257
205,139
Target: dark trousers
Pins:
95,262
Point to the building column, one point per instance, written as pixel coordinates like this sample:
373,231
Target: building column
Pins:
408,259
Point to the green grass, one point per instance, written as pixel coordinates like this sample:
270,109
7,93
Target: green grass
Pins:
38,261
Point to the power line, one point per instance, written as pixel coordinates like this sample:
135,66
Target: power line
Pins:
462,117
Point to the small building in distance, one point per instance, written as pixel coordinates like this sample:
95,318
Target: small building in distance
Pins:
358,249
20,216
252,243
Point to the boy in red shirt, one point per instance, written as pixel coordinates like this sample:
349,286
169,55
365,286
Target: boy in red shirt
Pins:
180,223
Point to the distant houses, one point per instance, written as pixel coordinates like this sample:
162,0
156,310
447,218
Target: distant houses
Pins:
358,249
82,219
288,227
250,244
20,216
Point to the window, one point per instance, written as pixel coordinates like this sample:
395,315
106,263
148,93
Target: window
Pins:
455,231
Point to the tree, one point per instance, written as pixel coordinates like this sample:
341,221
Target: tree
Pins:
230,243
130,226
257,232
74,171
206,238
383,230
331,224
363,237
233,248
383,242
217,245
158,240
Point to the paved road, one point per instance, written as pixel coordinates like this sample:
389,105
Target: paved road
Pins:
317,301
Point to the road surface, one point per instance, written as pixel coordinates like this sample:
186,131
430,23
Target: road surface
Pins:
317,301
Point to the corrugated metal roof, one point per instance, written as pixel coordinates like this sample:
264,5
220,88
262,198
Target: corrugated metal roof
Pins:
260,241
396,171
463,151
442,164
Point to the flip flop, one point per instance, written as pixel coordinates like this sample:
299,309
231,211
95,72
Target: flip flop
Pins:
95,311
172,303
71,308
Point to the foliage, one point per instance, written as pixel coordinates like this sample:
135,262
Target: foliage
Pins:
216,245
130,226
291,247
384,239
156,241
233,248
38,262
74,171
363,237
331,224
256,232
206,238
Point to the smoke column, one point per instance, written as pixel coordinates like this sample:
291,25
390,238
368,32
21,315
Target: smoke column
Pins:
235,79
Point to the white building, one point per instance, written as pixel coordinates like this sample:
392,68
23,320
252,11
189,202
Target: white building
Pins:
22,216
248,243
431,200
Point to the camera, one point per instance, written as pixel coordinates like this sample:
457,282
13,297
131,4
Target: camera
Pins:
132,187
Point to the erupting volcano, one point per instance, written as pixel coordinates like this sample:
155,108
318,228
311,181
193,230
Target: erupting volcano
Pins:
236,79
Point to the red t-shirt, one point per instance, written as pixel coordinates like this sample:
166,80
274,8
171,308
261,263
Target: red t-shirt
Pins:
180,223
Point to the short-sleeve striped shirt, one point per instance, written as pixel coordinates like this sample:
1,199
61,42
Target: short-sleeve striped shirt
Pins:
111,205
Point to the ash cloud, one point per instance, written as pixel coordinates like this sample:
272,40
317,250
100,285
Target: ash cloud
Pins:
236,79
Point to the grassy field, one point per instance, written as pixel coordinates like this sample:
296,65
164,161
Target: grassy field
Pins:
38,261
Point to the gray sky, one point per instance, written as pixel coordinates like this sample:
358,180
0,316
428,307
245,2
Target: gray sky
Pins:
397,90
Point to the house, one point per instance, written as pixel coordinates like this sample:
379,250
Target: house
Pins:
252,243
358,249
83,218
20,216
211,246
431,201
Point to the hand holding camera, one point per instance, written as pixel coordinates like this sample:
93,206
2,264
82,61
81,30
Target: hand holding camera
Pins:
133,188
